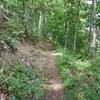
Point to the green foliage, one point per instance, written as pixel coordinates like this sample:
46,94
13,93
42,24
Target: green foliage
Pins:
20,82
81,77
11,39
54,20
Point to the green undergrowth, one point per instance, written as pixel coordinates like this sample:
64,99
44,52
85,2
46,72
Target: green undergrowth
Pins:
80,76
21,83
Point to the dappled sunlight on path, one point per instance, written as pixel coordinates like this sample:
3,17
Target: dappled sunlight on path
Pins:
53,53
55,85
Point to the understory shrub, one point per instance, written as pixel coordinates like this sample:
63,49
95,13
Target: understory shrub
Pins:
80,76
21,82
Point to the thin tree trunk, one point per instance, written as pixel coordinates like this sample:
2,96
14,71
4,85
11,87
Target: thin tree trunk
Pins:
76,26
94,29
1,14
26,16
68,11
41,20
90,30
17,16
33,15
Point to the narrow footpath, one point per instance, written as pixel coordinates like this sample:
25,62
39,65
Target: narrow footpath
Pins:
55,86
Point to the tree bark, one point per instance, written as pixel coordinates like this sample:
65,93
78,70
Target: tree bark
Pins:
90,30
1,14
26,16
94,28
33,17
68,11
76,26
41,19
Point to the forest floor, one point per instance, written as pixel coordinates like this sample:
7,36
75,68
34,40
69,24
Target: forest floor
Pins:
44,56
45,60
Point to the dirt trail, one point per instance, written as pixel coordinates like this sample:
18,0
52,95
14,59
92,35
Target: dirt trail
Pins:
46,63
55,87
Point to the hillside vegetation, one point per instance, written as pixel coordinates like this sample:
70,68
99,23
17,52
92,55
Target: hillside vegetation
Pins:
49,49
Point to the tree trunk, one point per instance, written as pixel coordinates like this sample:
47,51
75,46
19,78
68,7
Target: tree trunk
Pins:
1,14
90,30
41,20
17,15
76,26
68,11
26,16
94,28
33,16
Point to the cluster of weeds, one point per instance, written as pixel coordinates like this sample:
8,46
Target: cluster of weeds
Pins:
20,82
80,76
